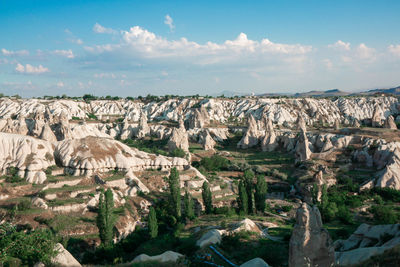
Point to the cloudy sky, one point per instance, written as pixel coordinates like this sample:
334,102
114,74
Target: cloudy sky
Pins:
131,48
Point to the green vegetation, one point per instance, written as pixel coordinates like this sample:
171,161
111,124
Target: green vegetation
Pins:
178,152
25,247
175,192
106,219
189,207
214,163
148,145
152,221
260,194
207,197
243,199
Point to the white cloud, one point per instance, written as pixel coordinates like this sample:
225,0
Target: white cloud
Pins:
76,41
60,84
140,43
394,49
328,63
104,75
29,69
340,45
64,53
169,22
14,53
97,28
364,52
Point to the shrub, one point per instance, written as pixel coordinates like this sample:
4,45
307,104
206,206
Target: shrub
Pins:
178,152
384,215
214,163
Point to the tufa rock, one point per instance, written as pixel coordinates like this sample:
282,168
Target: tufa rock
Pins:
310,244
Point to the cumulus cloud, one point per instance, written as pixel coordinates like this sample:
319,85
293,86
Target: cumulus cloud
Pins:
97,28
29,69
64,53
169,22
138,43
340,45
6,52
365,52
394,49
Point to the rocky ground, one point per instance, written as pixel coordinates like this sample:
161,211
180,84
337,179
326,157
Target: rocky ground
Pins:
332,167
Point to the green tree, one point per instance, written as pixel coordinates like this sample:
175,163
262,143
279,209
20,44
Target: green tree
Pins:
314,193
189,208
243,198
105,217
261,191
175,192
248,178
207,197
152,221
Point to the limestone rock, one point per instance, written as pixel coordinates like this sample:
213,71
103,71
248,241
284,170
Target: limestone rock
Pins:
212,237
196,120
310,244
301,124
95,154
390,176
246,225
377,116
64,258
389,123
207,141
168,256
356,123
337,124
252,135
269,142
179,139
256,262
29,155
47,134
302,151
143,129
39,202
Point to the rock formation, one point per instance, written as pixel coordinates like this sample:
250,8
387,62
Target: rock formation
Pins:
211,237
301,124
377,116
196,120
29,155
95,154
310,244
207,141
337,124
365,242
252,135
143,128
64,258
356,123
256,262
389,123
302,151
168,256
179,139
47,134
390,176
269,142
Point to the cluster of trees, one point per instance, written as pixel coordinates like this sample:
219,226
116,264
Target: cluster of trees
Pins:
252,194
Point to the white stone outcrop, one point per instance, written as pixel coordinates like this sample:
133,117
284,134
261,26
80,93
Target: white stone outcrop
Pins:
168,256
64,258
251,136
256,262
310,244
302,150
211,237
389,123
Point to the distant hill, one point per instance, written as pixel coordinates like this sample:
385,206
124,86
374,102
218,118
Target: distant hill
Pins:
327,93
395,91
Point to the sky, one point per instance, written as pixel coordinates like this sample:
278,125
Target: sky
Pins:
132,48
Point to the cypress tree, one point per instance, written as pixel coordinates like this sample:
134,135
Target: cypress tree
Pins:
207,197
152,221
243,199
189,208
261,191
175,192
105,217
248,178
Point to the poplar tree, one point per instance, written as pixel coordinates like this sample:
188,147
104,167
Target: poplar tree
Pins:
243,199
207,197
189,208
175,192
261,191
248,178
152,221
105,217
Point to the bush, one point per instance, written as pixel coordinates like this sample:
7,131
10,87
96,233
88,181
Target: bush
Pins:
29,247
24,205
178,152
384,215
214,163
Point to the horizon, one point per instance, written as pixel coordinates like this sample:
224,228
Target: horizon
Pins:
132,48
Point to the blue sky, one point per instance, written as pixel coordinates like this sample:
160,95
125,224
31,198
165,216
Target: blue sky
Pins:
189,47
